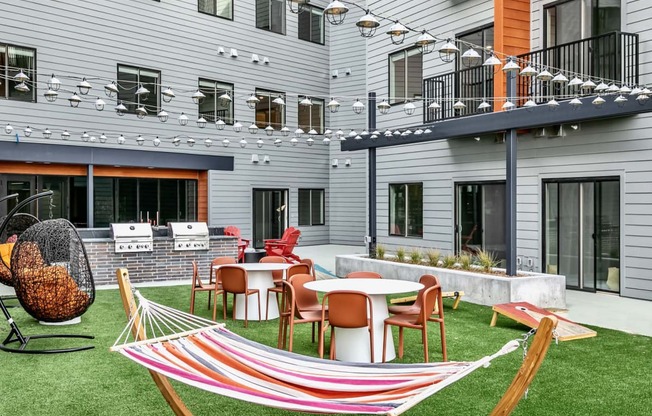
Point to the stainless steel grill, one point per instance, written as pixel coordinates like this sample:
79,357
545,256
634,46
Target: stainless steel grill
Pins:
132,237
189,235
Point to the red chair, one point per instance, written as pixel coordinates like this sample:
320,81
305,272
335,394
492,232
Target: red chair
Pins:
234,280
291,315
234,231
427,280
217,282
285,247
199,286
284,237
306,300
363,275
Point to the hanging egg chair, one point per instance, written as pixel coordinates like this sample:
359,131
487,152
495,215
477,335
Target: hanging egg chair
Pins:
51,273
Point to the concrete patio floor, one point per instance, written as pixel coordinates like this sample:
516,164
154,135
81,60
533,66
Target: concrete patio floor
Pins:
598,309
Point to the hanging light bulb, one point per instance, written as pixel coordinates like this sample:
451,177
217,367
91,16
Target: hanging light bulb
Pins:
575,82
448,51
553,104
642,98
183,119
364,133
613,88
367,25
269,130
296,6
508,106
208,142
397,133
190,142
598,101
22,87
285,131
511,66
575,103
352,133
198,97
162,116
483,107
306,102
310,141
225,142
74,100
253,129
168,94
279,101
140,140
492,61
120,109
260,143
326,141
65,135
397,33
243,143
427,131
601,87
328,133
620,100
111,89
333,105
8,128
559,78
278,142
528,71
20,77
358,107
142,93
409,108
425,42
530,104
121,139
625,90
219,124
388,133
47,133
156,142
298,133
417,132
225,99
84,87
252,101
237,127
434,105
459,106
312,133
176,141
85,137
339,134
103,138
294,141
588,85
383,107
27,131
99,104
335,12
51,95
92,139
141,112
201,122
544,75
54,84
471,58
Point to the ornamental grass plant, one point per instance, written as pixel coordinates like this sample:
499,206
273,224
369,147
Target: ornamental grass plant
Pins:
605,375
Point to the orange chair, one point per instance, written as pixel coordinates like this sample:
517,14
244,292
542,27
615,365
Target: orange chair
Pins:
310,264
306,300
291,315
234,280
429,297
277,275
427,280
284,247
346,309
234,231
216,279
364,275
199,286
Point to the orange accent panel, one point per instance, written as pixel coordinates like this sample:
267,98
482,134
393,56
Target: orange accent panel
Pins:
22,168
202,196
127,172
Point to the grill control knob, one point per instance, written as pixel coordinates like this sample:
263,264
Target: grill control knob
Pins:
122,246
130,246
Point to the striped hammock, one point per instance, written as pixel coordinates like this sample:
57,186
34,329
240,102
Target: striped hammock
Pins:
210,357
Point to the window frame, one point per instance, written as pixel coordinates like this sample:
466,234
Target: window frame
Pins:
156,93
217,94
321,102
308,8
9,82
393,100
215,14
311,222
269,21
405,232
271,95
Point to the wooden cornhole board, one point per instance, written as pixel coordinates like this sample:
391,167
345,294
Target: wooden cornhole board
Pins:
529,315
457,295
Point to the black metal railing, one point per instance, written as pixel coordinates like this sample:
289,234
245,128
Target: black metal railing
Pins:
612,56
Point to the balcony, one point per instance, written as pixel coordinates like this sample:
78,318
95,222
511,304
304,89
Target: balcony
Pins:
613,56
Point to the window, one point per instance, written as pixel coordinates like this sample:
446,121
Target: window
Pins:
130,78
270,15
219,8
14,59
212,108
406,209
311,207
311,116
269,113
311,24
405,73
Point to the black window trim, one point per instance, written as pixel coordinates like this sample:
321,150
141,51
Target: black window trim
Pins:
258,91
309,6
323,207
32,77
217,15
285,27
389,81
200,79
389,210
159,104
323,112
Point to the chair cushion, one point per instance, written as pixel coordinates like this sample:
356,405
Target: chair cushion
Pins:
5,253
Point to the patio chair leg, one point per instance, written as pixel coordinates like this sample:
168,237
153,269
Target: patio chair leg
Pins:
424,341
385,343
443,341
400,342
259,306
332,349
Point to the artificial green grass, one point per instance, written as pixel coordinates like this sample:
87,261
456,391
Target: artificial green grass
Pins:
606,375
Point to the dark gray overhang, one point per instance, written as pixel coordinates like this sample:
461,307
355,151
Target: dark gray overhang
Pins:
520,119
88,155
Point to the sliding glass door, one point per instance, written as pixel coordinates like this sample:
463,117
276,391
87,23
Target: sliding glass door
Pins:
582,232
270,214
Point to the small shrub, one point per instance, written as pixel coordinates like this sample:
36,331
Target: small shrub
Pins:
432,257
416,256
400,255
486,260
380,252
448,261
465,261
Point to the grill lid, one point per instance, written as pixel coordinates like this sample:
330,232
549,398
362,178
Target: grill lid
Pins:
188,229
131,230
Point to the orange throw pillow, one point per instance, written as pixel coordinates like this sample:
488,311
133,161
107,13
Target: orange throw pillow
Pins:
5,252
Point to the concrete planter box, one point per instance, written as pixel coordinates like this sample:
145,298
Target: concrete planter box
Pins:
542,290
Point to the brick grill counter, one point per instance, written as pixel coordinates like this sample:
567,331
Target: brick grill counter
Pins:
160,265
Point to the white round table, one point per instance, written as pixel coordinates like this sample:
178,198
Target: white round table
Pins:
353,344
259,276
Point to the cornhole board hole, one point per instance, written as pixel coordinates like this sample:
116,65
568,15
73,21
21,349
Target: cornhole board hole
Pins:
529,315
457,296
